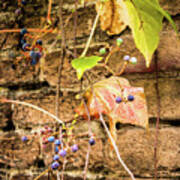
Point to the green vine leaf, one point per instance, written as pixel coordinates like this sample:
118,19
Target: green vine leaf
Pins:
164,13
82,64
145,22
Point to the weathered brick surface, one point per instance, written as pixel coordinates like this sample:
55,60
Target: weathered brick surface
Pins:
17,154
26,84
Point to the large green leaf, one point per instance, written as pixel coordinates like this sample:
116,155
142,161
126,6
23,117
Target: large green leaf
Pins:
164,13
145,22
82,64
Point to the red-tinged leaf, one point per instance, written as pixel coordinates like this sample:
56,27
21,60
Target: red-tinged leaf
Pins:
106,91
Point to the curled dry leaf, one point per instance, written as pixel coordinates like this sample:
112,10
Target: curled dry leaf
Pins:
113,16
106,91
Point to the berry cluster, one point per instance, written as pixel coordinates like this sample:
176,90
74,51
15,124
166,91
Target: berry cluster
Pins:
61,146
33,52
119,99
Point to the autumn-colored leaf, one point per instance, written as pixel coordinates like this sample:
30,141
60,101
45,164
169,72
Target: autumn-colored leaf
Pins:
106,91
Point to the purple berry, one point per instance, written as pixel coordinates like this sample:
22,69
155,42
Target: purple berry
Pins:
18,11
74,148
62,153
24,138
55,165
92,142
118,99
130,98
51,139
126,58
57,142
56,157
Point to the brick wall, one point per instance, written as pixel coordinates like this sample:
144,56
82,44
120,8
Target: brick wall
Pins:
20,160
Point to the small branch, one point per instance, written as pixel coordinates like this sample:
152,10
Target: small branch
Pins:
75,27
34,107
89,146
60,67
87,161
43,173
91,35
29,30
49,12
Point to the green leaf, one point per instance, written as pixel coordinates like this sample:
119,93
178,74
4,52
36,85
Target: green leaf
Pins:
145,22
82,64
164,13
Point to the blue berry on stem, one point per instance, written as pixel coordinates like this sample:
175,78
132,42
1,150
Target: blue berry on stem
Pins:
25,46
57,142
51,139
39,42
118,99
130,98
56,157
23,31
126,58
62,153
74,148
56,149
55,165
92,141
23,2
24,138
33,62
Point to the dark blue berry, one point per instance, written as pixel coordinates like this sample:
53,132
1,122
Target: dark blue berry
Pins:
62,153
39,42
13,66
32,54
130,98
24,138
38,55
57,142
56,157
23,31
33,62
23,2
56,149
51,139
23,41
25,46
92,142
55,165
74,148
118,99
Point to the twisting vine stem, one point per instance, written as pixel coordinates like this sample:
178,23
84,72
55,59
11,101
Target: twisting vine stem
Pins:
34,107
61,62
91,34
